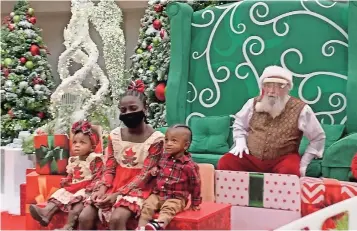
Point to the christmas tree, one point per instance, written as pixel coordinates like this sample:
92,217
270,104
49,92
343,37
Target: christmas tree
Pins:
152,55
26,78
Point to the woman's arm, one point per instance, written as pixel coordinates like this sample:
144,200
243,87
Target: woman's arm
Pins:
109,169
155,152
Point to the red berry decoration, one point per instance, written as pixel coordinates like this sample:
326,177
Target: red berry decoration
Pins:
160,91
157,24
11,113
11,27
41,115
6,72
158,7
23,60
149,48
32,20
35,50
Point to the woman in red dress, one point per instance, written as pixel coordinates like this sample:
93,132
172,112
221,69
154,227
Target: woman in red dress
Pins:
132,152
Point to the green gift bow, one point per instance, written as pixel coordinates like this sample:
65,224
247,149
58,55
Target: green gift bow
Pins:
46,154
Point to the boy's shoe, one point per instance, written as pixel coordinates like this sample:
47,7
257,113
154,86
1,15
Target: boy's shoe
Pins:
153,225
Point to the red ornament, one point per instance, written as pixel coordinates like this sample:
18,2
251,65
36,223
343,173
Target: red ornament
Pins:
149,48
35,50
11,113
6,72
32,20
37,80
23,60
157,24
41,115
11,27
160,91
158,7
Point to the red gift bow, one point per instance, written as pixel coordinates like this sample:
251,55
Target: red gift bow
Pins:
137,85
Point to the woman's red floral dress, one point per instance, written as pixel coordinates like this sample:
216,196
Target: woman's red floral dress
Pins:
127,170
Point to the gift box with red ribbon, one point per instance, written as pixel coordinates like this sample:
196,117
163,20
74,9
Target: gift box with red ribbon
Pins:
39,188
319,193
52,153
22,199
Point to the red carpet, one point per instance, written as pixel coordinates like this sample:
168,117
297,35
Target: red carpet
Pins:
12,222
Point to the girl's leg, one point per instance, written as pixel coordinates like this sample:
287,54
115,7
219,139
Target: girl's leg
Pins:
119,218
43,215
87,218
73,215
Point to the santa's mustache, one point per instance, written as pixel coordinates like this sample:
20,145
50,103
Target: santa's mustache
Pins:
274,105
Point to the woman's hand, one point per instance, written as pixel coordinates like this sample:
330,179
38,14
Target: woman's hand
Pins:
107,199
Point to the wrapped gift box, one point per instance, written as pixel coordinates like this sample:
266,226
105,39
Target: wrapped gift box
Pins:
13,173
22,199
52,153
212,216
318,193
39,188
264,190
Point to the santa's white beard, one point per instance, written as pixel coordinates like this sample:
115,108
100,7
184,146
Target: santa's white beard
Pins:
273,105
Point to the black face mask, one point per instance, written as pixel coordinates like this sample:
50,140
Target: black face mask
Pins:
132,120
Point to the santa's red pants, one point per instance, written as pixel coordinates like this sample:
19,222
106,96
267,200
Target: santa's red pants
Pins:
287,164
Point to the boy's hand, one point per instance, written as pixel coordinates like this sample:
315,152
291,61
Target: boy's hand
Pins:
154,171
195,207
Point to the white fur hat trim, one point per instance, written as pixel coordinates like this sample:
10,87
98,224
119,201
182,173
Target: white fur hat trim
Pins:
275,80
276,71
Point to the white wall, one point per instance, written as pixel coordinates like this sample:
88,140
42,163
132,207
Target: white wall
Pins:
53,23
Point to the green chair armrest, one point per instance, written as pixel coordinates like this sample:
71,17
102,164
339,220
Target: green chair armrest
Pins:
340,153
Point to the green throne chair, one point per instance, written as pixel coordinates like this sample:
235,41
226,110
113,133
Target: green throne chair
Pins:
218,54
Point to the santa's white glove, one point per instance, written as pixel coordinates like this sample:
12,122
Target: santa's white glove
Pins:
240,148
305,161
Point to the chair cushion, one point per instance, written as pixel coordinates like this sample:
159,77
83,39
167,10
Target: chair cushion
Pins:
332,132
210,134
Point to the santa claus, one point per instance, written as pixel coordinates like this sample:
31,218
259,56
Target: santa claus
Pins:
268,129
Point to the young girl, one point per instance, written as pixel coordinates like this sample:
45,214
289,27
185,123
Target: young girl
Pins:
132,152
84,170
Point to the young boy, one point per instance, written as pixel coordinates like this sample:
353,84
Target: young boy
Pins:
177,177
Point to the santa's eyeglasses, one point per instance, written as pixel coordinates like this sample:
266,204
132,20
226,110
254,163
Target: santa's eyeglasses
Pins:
274,85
